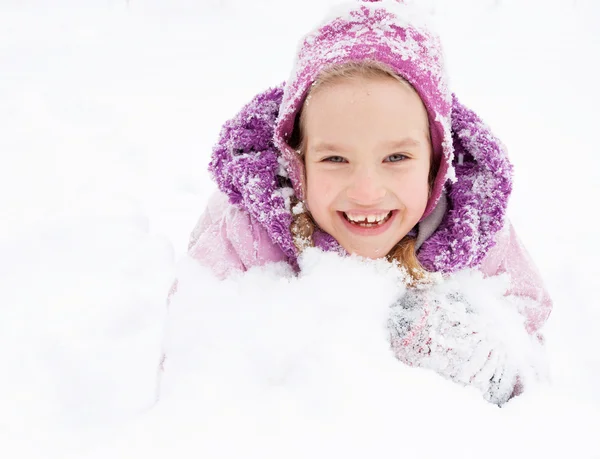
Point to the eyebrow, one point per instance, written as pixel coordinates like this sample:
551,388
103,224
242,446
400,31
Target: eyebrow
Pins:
392,145
326,146
407,142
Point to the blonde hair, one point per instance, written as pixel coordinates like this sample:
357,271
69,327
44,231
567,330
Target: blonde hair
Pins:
303,225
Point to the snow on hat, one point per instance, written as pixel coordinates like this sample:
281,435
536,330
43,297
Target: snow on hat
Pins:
390,32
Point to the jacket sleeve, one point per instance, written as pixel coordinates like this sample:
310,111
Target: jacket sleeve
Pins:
527,288
227,239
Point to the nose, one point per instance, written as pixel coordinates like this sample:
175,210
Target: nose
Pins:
366,187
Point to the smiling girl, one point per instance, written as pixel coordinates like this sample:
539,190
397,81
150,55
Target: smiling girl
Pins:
366,151
367,156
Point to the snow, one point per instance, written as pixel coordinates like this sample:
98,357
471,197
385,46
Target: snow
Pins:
108,116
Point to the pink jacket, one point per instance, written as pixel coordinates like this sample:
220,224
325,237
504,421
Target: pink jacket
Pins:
247,224
227,239
464,226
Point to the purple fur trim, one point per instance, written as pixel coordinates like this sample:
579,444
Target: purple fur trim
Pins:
327,242
477,200
246,166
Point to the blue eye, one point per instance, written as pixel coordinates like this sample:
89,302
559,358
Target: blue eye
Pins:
334,159
395,158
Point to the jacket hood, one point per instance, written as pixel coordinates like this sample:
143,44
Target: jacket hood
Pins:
388,32
251,170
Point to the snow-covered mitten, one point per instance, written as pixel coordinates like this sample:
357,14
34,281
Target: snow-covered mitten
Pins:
439,330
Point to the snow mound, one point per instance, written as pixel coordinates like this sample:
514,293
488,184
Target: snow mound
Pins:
267,364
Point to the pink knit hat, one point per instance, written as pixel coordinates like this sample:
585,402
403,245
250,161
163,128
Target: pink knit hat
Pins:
387,31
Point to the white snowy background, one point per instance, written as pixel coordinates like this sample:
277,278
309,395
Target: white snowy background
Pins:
108,112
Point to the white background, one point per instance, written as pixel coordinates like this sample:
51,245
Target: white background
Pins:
108,112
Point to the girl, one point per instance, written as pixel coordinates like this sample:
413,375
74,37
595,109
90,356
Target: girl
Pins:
365,151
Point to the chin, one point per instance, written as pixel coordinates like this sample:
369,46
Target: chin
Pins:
373,254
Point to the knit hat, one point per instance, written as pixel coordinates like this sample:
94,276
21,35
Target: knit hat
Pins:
387,31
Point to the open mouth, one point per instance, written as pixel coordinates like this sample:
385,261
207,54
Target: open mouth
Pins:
367,220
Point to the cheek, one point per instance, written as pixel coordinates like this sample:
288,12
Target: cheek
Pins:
318,190
414,192
417,199
322,188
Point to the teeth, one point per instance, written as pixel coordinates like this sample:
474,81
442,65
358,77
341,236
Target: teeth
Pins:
366,218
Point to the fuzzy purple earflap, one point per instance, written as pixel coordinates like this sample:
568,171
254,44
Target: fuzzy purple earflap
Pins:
247,166
477,201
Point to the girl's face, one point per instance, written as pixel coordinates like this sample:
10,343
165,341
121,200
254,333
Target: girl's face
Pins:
367,156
